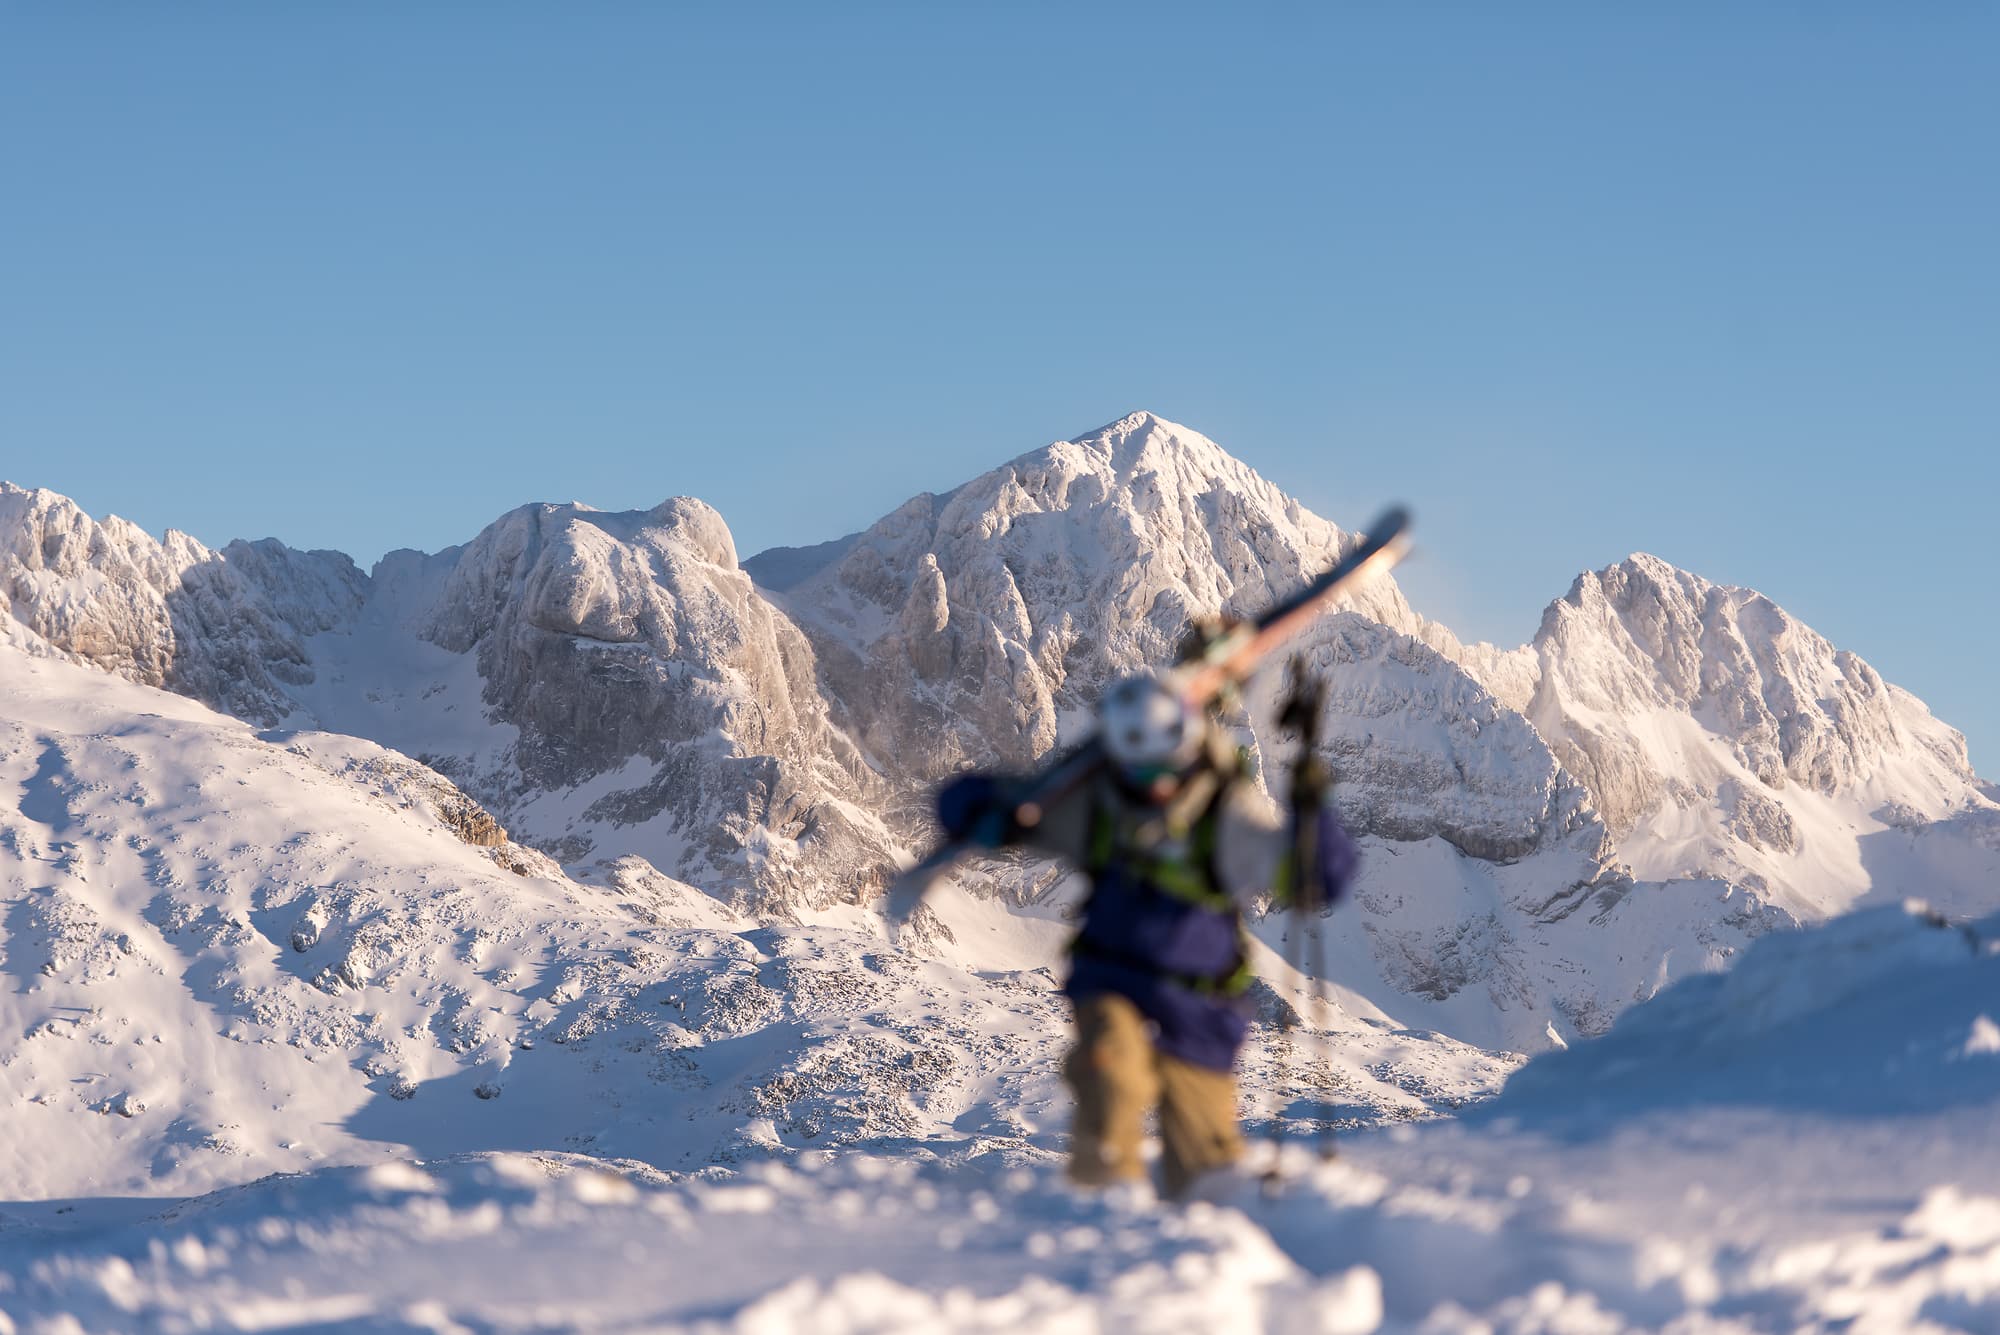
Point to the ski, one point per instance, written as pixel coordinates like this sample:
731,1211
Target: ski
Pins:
1213,666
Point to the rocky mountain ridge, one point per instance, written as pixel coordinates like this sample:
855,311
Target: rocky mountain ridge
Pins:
226,627
982,624
1673,764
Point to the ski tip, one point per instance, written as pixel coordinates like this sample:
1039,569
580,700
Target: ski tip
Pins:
1390,524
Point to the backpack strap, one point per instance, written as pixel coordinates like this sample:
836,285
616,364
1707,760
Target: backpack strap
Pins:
1191,872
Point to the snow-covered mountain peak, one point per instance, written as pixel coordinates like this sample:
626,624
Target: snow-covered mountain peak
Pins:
578,571
225,627
983,622
671,706
1643,635
1160,478
1719,734
1143,442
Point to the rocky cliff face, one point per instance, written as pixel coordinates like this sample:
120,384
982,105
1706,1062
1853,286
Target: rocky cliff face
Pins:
1422,750
1719,736
227,628
637,662
609,636
1640,637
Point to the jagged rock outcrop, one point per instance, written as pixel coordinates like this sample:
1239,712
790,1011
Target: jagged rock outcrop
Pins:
228,628
634,656
1423,750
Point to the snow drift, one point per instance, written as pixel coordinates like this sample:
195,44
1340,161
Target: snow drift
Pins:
1700,1203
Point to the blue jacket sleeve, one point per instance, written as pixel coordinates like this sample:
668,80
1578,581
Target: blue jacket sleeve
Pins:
1338,857
979,809
970,808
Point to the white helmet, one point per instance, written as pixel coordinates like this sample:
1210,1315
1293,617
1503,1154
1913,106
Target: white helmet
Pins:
1150,730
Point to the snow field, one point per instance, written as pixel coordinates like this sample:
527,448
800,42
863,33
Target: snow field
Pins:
1432,1234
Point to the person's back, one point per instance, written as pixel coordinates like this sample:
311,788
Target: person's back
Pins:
1176,840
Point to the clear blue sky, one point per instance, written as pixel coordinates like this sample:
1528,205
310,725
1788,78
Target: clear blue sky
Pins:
1717,282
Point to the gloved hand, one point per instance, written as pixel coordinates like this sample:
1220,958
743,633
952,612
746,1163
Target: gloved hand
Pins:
978,809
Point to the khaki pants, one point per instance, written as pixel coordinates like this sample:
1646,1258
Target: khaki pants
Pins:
1118,1077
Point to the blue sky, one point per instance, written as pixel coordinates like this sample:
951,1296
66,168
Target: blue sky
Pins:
1574,281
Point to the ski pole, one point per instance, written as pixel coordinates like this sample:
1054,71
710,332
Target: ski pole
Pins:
1284,1025
1303,712
1322,1019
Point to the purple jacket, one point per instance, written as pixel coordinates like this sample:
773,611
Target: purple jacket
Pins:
1173,955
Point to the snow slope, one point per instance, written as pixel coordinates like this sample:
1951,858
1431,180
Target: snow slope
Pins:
1752,1172
229,952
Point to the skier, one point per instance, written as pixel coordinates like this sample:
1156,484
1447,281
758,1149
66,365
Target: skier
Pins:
1175,841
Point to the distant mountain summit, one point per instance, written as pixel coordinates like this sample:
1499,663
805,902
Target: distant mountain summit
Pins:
227,628
1667,769
1720,736
981,624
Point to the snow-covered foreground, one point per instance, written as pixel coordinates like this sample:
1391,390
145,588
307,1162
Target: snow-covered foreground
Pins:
1807,1142
513,1242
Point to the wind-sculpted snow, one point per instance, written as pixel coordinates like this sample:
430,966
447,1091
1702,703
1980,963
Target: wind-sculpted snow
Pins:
1797,1002
227,627
1744,1169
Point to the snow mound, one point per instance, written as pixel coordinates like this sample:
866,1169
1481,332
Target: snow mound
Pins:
1871,1012
509,1242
